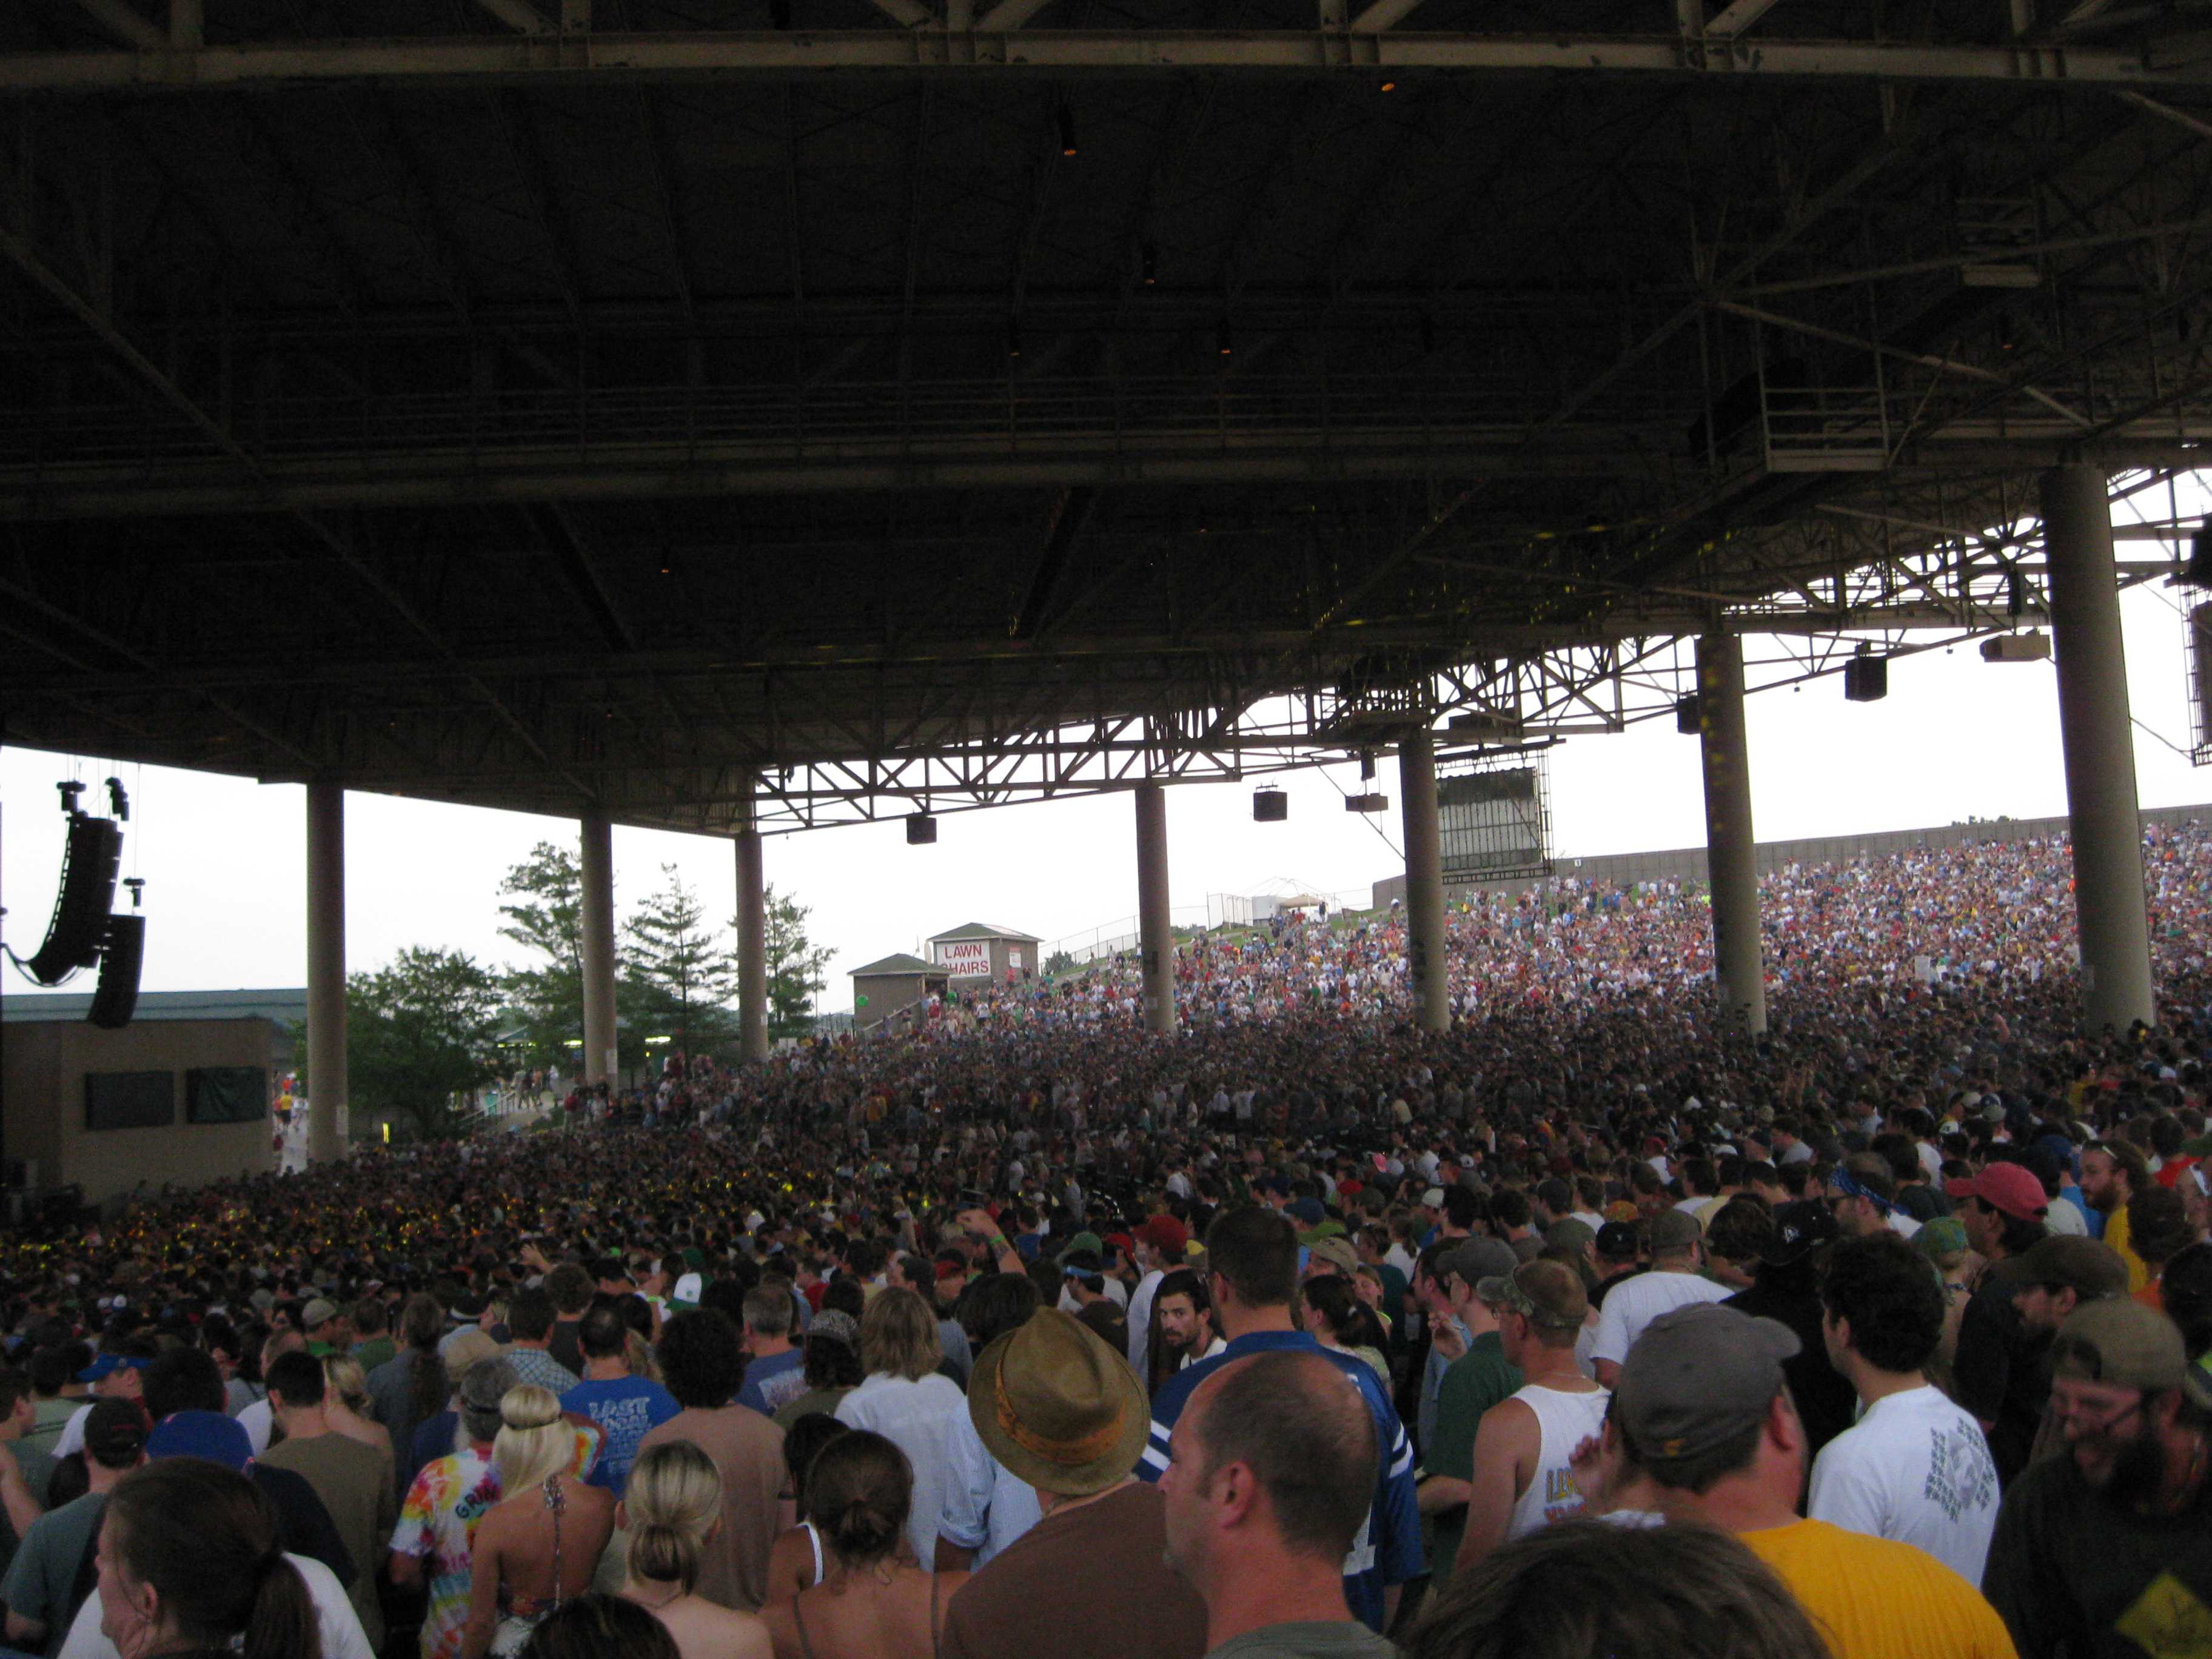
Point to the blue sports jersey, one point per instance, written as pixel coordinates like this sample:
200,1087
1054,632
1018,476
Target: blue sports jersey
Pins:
1389,1548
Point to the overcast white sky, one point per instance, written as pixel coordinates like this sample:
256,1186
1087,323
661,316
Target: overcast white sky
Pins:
224,861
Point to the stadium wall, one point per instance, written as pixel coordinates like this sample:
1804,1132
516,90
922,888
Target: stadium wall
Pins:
46,1063
1689,863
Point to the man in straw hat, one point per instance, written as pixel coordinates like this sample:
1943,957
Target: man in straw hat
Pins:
1060,1408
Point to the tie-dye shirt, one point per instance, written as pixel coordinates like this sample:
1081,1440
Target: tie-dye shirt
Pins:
439,1520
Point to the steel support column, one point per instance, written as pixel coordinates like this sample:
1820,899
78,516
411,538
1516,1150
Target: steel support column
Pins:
752,937
326,987
1425,882
1156,937
2101,755
1731,855
601,1063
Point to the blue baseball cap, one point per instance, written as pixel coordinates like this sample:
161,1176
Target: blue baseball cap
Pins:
104,1364
202,1434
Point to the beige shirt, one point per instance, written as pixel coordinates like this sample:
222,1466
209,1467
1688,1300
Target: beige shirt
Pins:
354,1483
748,1449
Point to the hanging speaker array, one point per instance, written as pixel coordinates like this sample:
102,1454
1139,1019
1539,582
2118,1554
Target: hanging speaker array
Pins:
117,997
83,933
92,857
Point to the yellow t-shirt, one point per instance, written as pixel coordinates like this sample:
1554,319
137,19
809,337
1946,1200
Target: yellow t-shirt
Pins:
2116,1239
1876,1599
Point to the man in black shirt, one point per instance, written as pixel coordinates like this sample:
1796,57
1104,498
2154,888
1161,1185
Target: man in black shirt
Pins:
1998,1374
1788,1289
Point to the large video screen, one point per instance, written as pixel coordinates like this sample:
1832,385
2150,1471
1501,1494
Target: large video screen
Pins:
226,1094
130,1100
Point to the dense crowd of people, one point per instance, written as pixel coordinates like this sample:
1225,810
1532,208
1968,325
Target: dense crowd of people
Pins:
1590,1326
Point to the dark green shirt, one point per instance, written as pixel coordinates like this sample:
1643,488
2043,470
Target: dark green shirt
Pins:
2072,1573
1473,1383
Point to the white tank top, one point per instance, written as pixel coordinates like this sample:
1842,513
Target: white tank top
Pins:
1564,1421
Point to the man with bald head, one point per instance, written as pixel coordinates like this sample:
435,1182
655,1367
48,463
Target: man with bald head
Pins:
1252,1273
1270,1469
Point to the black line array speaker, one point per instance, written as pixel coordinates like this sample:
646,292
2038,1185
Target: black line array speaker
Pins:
920,829
90,861
1270,807
1688,715
1866,679
116,998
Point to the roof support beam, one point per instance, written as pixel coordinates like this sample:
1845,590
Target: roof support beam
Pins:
917,48
1382,14
907,14
2166,112
703,470
1009,15
1739,17
133,29
517,14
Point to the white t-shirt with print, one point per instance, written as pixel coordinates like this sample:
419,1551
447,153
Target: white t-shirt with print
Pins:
1914,1468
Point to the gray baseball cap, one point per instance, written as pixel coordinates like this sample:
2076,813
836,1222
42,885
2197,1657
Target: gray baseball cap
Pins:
1674,1230
1473,1260
1697,1377
1569,1234
483,1385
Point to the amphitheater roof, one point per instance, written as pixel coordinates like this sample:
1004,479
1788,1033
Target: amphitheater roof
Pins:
868,405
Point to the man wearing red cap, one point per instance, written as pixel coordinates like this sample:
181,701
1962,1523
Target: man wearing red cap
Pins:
1997,1374
1160,1246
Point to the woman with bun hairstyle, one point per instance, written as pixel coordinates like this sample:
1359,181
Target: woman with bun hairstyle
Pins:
538,1547
672,1507
189,1565
871,1604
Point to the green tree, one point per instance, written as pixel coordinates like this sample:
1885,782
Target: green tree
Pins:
794,968
544,915
420,1034
688,972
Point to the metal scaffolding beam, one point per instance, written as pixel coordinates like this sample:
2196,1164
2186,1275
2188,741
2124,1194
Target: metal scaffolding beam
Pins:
1044,52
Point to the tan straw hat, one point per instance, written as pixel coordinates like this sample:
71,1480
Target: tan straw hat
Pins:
1058,1406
